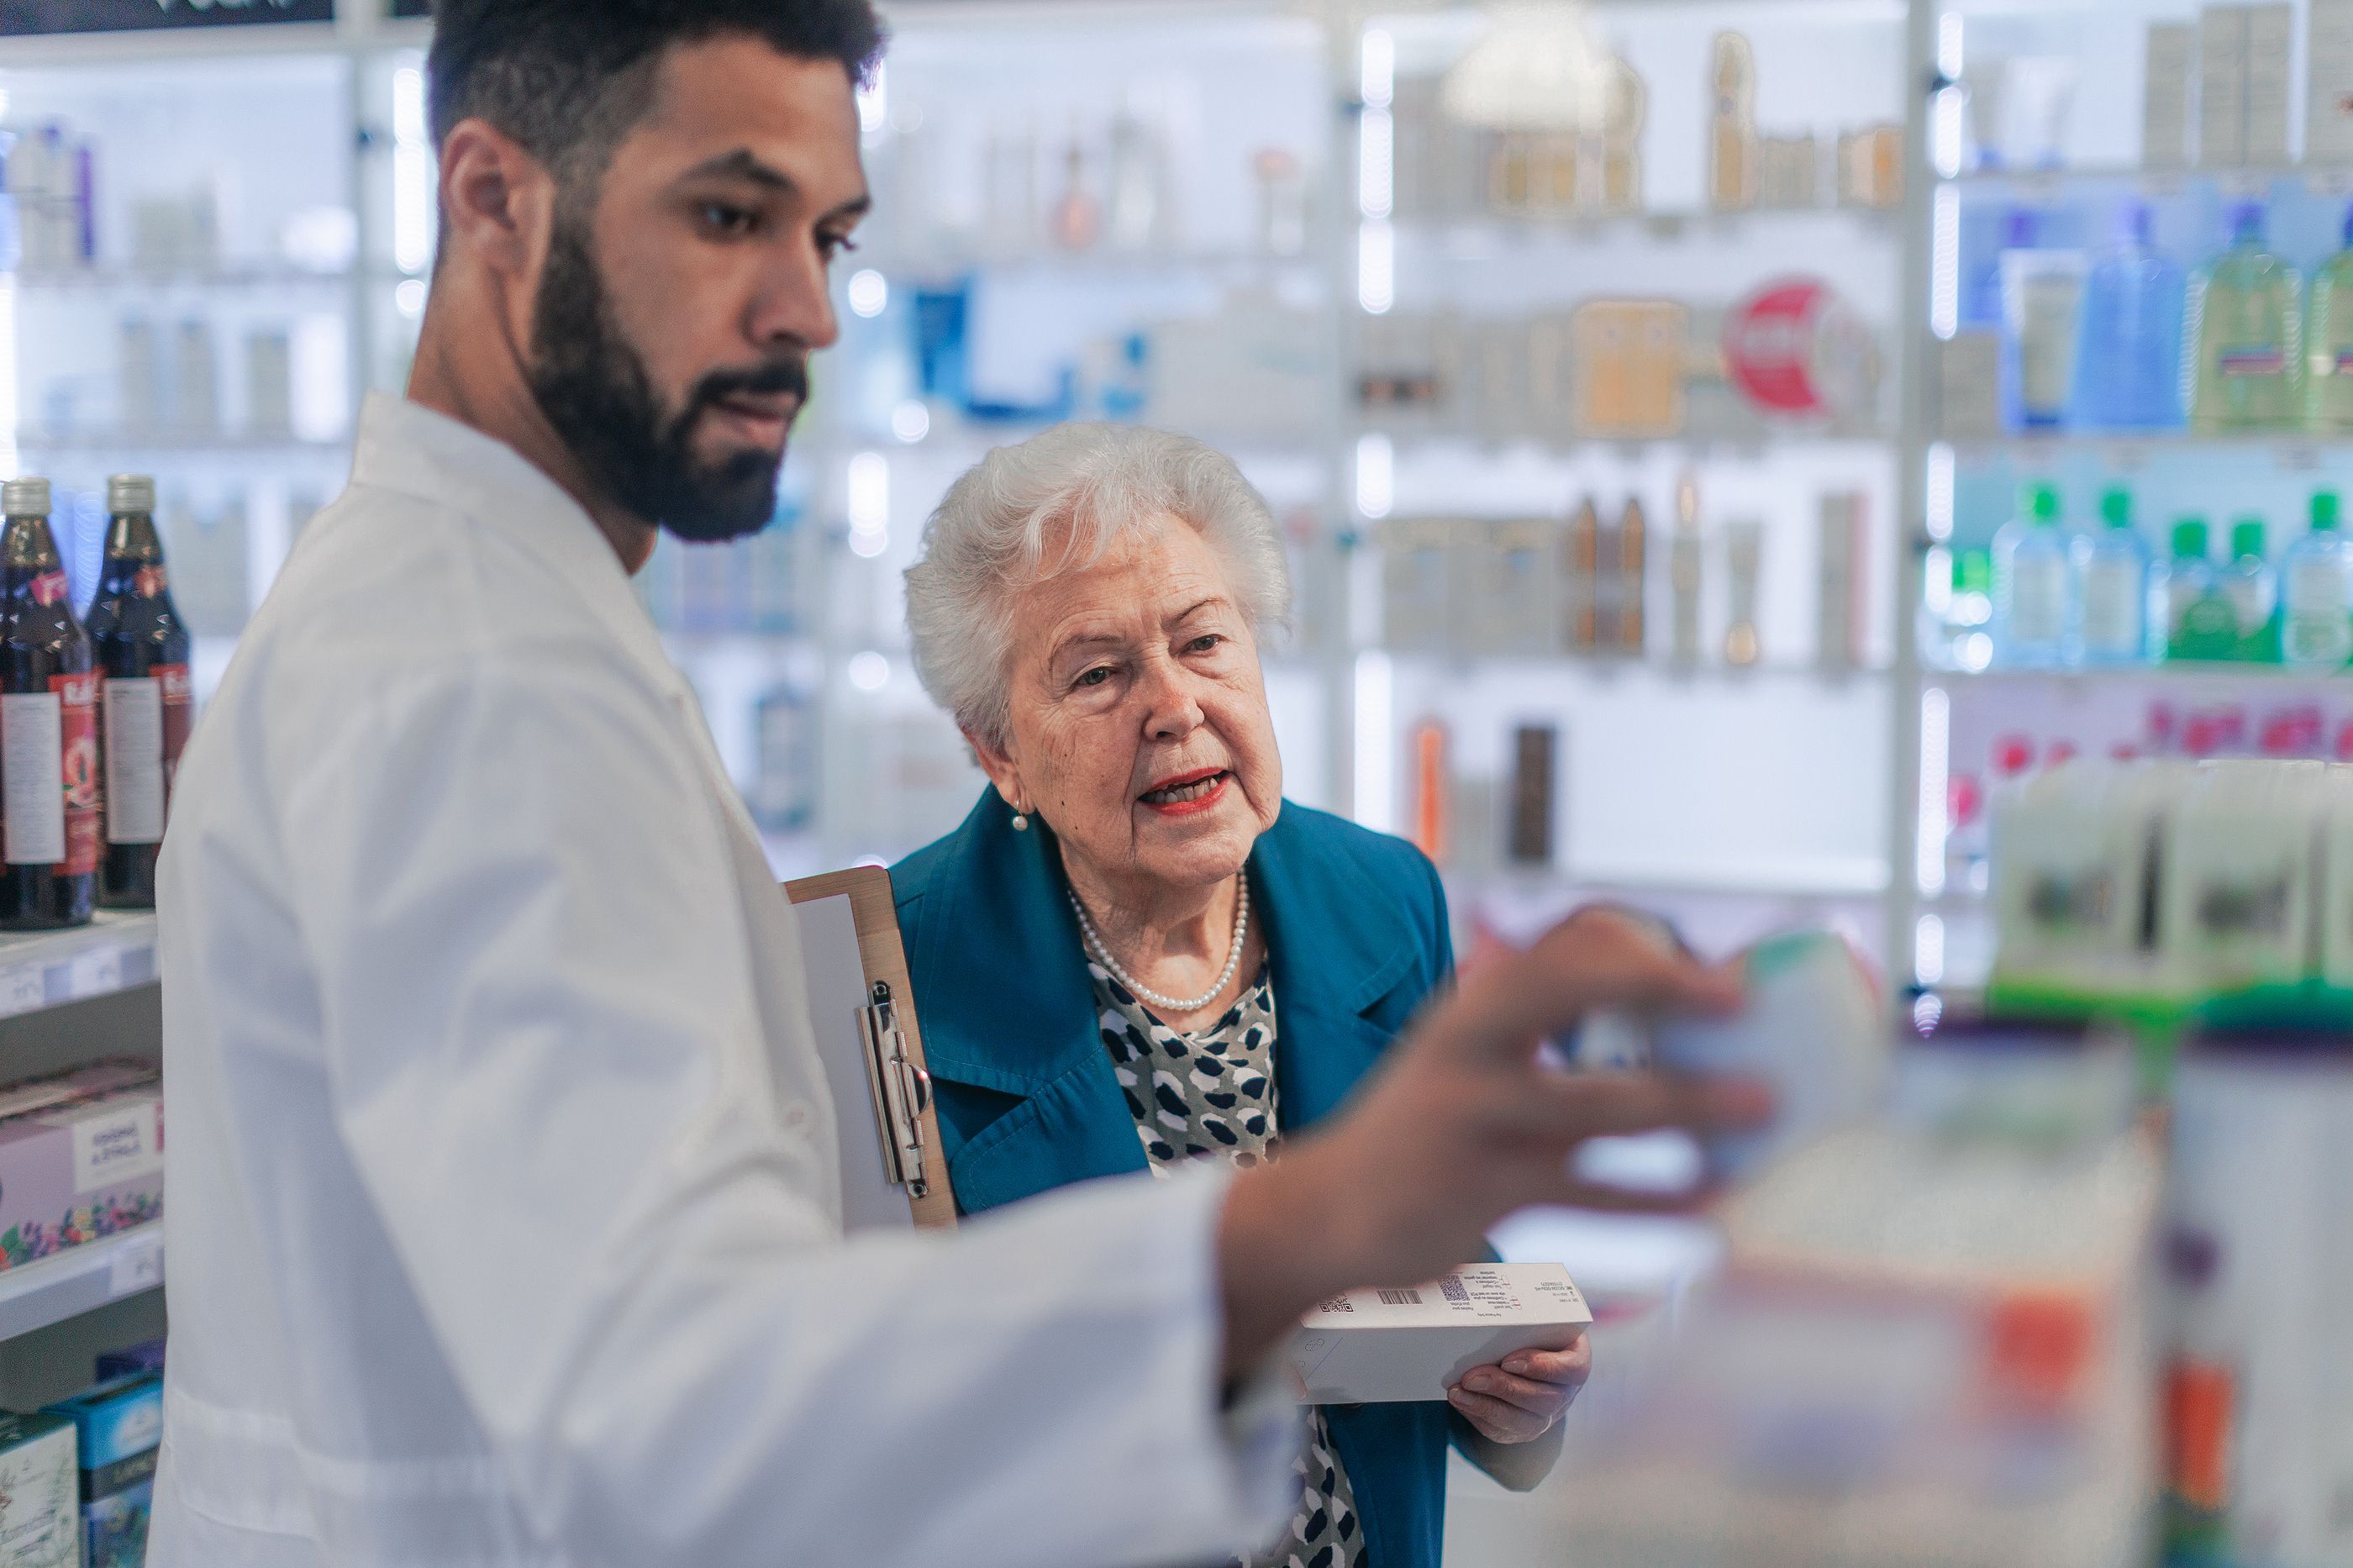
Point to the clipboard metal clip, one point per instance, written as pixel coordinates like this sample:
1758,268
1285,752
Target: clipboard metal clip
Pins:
902,1092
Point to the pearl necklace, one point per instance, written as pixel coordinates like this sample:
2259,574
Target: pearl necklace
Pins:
1170,1004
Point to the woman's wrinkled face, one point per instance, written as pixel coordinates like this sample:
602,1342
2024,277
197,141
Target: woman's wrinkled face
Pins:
1139,728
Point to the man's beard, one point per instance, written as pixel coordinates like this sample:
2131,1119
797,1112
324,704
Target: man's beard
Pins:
591,385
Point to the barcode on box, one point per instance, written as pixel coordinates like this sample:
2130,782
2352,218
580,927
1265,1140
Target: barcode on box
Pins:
1401,1298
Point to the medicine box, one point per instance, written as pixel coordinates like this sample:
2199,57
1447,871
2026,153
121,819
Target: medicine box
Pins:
117,1427
1383,1347
2223,86
2328,103
73,1172
2240,876
2165,103
2271,34
39,1496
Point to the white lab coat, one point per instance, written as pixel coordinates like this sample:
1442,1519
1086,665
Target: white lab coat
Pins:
502,1223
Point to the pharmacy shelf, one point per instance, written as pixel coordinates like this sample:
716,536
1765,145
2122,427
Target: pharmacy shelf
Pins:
82,1279
51,968
1808,879
2291,449
2206,675
106,279
1754,444
79,443
1090,264
1667,224
2328,179
1600,670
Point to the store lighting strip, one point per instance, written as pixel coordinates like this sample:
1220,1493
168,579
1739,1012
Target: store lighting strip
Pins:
1376,476
1939,509
413,217
1929,949
9,456
1376,783
1945,263
1945,116
1936,781
1377,175
868,504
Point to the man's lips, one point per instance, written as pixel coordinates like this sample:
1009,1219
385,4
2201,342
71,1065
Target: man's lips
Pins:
1181,794
765,420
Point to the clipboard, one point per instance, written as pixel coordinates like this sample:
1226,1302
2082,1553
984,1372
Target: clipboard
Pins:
863,1009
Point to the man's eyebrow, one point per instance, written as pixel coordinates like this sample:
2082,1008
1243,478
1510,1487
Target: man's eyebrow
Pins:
741,165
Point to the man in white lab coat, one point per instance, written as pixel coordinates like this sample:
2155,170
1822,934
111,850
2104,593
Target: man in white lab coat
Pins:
503,1223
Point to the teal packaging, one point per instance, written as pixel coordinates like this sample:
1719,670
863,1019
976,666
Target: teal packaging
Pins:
118,1426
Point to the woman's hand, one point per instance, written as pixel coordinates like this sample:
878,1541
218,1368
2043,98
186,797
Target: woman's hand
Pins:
1519,1401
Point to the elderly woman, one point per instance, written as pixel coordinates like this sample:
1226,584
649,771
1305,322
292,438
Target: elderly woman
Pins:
1134,952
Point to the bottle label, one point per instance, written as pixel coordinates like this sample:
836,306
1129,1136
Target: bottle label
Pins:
48,775
2251,361
2340,362
2112,612
2038,603
49,588
150,583
146,724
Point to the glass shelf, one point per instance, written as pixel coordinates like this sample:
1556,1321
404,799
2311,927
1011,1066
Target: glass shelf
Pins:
32,441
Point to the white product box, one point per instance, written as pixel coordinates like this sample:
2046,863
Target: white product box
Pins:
1418,567
2328,105
2074,849
1968,386
2240,876
2337,878
2165,100
1508,582
2271,34
1385,1347
2222,85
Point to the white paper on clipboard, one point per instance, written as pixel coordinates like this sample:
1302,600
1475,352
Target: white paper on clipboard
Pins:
836,978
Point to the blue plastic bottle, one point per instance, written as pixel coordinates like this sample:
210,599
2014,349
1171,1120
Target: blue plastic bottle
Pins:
2110,623
2030,587
2128,364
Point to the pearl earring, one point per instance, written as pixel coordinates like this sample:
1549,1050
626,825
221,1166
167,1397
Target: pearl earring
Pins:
1021,821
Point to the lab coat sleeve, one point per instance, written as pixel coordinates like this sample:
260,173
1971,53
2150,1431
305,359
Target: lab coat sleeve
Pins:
539,1015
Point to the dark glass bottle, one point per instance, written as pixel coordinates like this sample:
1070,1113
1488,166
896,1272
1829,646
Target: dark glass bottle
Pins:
50,795
146,698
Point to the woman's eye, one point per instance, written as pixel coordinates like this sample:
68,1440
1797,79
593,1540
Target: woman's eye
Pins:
1096,676
1204,643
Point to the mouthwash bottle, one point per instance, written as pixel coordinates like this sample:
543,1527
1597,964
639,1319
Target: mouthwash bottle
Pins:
2029,583
2253,588
2250,357
2189,618
2328,339
2316,593
2110,588
2128,366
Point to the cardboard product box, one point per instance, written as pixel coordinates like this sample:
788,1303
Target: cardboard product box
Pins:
2223,86
2165,96
1385,1347
1629,356
1417,566
2074,857
2328,104
117,1427
2336,902
1509,604
2240,877
39,1494
2271,34
72,1173
1968,386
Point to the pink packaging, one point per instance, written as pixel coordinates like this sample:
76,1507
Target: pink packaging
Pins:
87,1164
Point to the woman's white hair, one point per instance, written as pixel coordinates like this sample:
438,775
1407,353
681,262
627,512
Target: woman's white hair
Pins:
1082,489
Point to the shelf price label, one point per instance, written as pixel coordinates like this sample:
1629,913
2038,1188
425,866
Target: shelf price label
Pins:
20,18
24,989
139,1266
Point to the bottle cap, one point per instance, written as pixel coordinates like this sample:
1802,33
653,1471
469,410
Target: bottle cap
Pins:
2247,538
129,493
1973,571
2190,539
2324,509
2247,223
2042,503
2117,507
24,497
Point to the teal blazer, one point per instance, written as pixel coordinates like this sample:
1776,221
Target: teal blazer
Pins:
1357,932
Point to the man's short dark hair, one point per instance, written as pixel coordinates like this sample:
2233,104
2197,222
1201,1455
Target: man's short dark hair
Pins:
567,80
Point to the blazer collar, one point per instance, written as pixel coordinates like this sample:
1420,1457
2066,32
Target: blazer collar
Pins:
1006,946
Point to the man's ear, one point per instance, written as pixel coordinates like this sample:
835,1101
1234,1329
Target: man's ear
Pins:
1002,770
498,202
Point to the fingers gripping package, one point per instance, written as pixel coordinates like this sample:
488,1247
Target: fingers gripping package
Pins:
1813,1030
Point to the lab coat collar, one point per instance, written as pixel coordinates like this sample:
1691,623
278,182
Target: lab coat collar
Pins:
406,447
1339,943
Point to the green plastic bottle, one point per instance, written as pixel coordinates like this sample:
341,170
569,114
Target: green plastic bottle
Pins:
2249,360
2328,344
2253,588
2188,614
